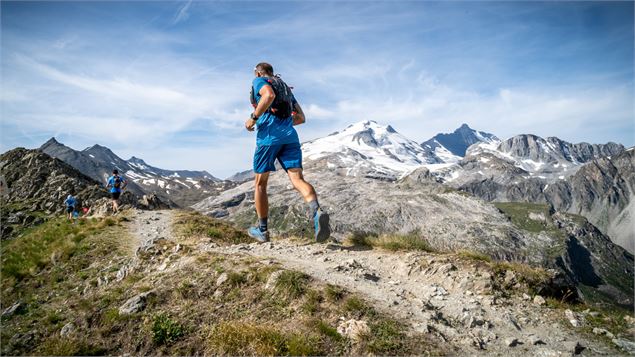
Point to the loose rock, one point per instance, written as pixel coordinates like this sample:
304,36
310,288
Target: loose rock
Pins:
539,300
353,329
222,279
135,304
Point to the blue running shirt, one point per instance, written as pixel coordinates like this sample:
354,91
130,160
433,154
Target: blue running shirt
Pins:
271,129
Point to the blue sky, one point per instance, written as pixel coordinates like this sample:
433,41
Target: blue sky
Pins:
169,81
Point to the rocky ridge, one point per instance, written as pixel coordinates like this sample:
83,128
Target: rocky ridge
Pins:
175,187
38,184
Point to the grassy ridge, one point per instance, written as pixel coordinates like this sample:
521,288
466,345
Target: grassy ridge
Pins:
187,311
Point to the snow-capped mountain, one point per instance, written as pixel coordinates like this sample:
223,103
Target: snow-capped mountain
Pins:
525,156
367,148
181,187
456,143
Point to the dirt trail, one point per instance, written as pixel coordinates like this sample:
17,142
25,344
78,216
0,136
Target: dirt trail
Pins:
449,298
149,226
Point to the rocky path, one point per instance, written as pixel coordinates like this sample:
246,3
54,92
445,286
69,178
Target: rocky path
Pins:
149,226
449,298
434,295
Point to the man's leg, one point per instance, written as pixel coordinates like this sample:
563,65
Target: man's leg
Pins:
304,188
262,201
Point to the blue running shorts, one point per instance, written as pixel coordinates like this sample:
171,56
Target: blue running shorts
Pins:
289,156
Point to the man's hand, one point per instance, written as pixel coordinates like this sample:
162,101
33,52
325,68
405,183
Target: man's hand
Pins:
249,124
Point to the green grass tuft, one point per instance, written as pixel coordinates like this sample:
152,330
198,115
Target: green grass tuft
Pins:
165,331
392,242
191,224
292,284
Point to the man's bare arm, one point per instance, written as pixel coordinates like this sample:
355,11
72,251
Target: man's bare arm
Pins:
267,95
298,117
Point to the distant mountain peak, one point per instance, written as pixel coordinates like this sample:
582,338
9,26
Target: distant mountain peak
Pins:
458,141
51,141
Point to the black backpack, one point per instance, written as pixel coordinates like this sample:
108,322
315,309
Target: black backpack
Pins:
117,182
282,106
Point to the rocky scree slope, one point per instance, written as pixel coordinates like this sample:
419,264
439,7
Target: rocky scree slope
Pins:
446,219
601,190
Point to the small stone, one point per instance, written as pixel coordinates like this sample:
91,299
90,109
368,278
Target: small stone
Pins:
12,309
353,329
135,304
535,340
222,279
510,277
218,293
603,332
370,276
526,297
574,347
273,280
511,342
67,329
572,318
539,300
626,345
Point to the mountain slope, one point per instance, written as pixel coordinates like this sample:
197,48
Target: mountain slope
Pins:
180,187
601,190
448,220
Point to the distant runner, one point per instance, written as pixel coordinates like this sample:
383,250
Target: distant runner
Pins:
117,184
276,111
70,203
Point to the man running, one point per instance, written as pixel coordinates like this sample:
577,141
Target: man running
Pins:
117,184
277,139
70,203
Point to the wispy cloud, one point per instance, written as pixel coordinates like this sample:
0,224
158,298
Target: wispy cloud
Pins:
182,14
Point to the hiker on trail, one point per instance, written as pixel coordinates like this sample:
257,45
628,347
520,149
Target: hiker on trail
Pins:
117,184
276,111
70,203
85,211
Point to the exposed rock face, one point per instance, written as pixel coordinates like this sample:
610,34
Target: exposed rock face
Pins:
601,190
594,263
447,219
525,156
175,187
458,141
554,150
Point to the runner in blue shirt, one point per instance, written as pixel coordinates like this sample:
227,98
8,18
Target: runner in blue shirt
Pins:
117,184
276,111
70,203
